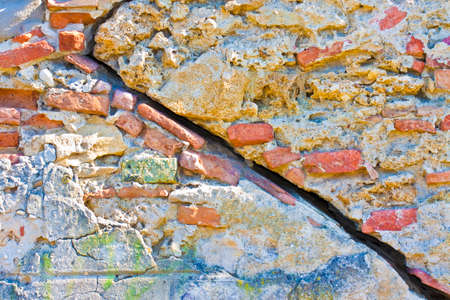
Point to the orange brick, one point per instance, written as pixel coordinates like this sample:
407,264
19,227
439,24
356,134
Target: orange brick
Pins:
138,192
83,63
296,176
415,47
414,125
308,56
390,220
201,216
27,36
130,124
442,78
335,162
429,280
171,126
13,158
9,116
9,139
25,53
101,87
26,99
210,166
445,124
418,66
78,102
280,156
61,20
156,140
438,177
123,100
105,193
71,4
43,122
393,17
249,134
71,40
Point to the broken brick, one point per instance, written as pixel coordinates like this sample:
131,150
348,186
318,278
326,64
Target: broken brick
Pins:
138,192
418,66
415,47
61,20
82,62
78,102
438,177
25,53
43,122
210,166
407,125
71,4
9,139
101,87
201,216
130,124
123,100
393,113
308,56
156,140
392,18
250,134
442,78
105,193
390,220
22,230
26,99
429,280
445,124
71,40
171,126
296,176
9,116
27,36
280,156
335,162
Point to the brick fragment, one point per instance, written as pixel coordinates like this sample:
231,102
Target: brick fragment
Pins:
280,156
170,125
71,4
390,220
138,192
335,162
25,53
123,100
130,124
101,87
9,116
438,177
429,280
435,63
27,36
201,216
407,125
250,134
296,176
429,110
41,121
105,193
83,63
393,113
9,139
25,99
71,40
442,78
310,55
210,166
22,230
445,124
156,140
14,158
78,102
415,47
392,18
418,66
62,19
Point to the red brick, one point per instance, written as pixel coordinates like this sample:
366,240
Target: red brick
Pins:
335,162
25,53
269,187
61,20
415,47
71,40
71,4
414,125
418,66
105,193
308,56
123,100
296,176
249,134
429,280
390,220
83,63
393,17
130,124
78,102
429,110
13,158
27,36
171,126
9,139
442,78
210,166
438,177
43,122
138,192
445,124
101,87
156,140
19,98
9,116
280,156
202,216
22,230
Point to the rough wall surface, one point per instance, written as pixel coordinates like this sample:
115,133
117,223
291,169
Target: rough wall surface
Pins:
103,195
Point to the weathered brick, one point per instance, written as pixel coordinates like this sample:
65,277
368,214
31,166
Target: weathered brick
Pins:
25,53
310,55
436,62
210,166
123,100
393,113
418,66
130,124
138,192
415,47
26,99
280,156
9,139
60,20
390,220
407,125
442,78
71,40
392,18
150,170
27,36
445,124
78,102
156,140
82,62
429,110
171,126
438,177
101,87
105,193
249,134
201,216
14,158
9,116
429,280
335,162
296,176
71,4
43,122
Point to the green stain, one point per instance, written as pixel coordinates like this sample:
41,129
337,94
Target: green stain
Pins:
135,292
46,263
109,282
150,170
